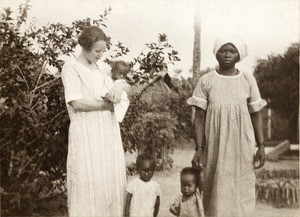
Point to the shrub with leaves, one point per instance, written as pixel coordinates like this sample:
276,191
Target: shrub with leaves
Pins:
154,58
278,80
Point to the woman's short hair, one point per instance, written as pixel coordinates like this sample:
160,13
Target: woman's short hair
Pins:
90,35
145,157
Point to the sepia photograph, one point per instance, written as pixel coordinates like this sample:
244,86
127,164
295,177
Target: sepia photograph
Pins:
149,108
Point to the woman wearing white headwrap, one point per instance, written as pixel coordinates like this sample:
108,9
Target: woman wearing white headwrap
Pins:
228,125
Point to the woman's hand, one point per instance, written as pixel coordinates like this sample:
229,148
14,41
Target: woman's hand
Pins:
108,105
197,160
260,157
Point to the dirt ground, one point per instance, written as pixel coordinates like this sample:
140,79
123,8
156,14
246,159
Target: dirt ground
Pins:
170,186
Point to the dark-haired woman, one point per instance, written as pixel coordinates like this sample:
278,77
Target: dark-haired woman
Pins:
96,174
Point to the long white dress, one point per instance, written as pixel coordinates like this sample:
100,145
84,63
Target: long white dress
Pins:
96,175
229,185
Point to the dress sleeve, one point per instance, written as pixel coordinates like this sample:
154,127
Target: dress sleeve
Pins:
158,191
71,82
200,95
255,102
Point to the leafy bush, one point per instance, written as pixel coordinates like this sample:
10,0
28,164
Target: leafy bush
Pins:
33,118
154,133
278,80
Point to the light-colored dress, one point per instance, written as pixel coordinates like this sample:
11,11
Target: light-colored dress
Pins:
144,196
229,185
193,207
96,176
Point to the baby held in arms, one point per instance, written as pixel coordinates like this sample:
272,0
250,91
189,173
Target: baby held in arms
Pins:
119,71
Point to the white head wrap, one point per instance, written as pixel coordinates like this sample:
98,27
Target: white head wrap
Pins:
232,39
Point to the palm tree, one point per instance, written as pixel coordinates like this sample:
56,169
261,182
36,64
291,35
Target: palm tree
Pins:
197,41
197,48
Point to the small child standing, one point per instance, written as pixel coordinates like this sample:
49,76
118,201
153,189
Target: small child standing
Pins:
119,71
189,204
143,194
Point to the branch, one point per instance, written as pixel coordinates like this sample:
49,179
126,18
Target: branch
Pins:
23,77
11,164
150,84
30,160
40,75
63,111
49,82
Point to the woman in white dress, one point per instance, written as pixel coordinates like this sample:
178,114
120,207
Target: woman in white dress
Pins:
96,175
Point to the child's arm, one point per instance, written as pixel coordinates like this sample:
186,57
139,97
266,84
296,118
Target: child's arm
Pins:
175,207
123,85
127,204
114,94
156,207
201,180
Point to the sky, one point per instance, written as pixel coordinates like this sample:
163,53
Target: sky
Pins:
266,26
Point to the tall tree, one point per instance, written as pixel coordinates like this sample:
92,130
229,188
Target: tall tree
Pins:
278,80
197,41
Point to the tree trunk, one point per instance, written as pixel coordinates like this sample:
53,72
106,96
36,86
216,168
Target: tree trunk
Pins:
269,123
197,41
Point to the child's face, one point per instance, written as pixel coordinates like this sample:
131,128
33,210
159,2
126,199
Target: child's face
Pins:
120,72
227,56
188,185
146,171
116,76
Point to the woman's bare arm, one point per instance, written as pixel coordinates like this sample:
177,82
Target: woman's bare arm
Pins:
127,204
199,124
87,105
259,137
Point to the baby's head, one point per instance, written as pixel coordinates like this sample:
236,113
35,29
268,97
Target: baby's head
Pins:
119,69
189,179
145,165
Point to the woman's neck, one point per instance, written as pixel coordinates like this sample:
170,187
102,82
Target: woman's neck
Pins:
228,72
86,62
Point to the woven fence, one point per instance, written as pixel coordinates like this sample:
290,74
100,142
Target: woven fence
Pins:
278,187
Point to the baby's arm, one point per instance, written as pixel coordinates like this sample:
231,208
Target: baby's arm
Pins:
114,95
127,204
156,207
